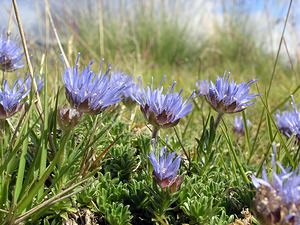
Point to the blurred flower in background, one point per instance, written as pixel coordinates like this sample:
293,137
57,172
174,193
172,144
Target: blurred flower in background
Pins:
238,127
132,89
288,122
10,55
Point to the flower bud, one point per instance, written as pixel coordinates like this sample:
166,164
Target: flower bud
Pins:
68,118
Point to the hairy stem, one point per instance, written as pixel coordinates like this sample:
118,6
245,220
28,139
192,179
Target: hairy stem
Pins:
218,120
154,136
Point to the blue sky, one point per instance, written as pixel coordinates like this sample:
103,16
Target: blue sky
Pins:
276,8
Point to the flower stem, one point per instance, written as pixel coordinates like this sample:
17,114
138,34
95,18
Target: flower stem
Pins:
154,136
3,77
3,128
218,120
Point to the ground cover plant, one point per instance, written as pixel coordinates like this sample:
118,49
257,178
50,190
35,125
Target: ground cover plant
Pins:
165,134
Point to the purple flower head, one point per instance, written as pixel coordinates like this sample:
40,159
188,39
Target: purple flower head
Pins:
119,78
135,90
165,169
10,99
202,87
225,96
10,55
288,122
163,110
39,83
131,90
38,80
89,92
239,127
278,199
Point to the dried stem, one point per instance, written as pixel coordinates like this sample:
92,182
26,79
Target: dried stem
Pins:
55,33
39,104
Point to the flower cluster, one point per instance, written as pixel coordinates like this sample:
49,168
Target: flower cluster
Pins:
165,169
225,96
10,55
163,110
288,122
277,200
89,92
92,93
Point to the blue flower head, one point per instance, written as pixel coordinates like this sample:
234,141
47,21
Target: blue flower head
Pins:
120,78
10,55
165,169
11,99
89,92
131,88
38,80
225,96
39,83
239,127
277,200
163,110
132,93
288,122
